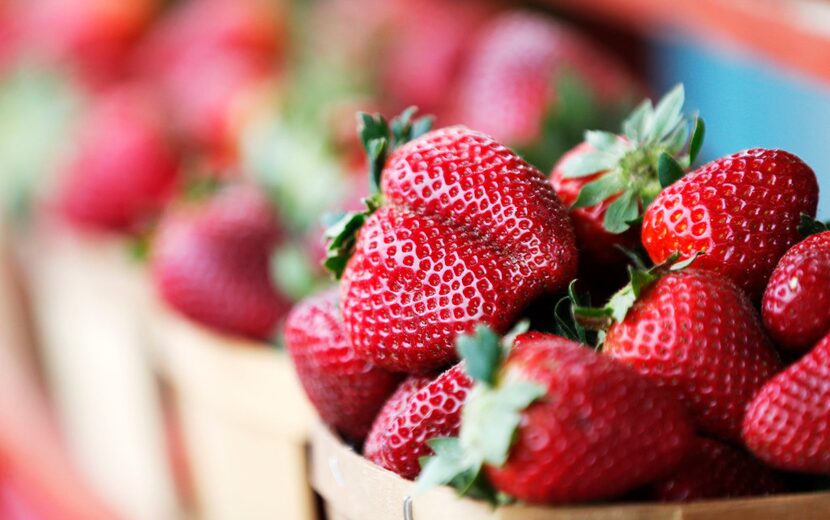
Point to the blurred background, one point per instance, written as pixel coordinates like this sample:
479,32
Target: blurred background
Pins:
111,109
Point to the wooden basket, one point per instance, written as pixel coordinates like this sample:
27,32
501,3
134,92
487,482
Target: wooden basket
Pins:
245,421
353,488
86,295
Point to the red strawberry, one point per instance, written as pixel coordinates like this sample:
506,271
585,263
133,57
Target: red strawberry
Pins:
123,168
515,77
608,179
796,304
426,50
210,261
695,333
787,425
741,210
467,232
716,470
420,410
560,423
346,391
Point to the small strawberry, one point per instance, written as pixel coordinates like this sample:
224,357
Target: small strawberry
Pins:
420,410
796,303
210,261
608,179
741,210
346,391
463,231
787,425
695,333
535,85
716,470
123,168
557,422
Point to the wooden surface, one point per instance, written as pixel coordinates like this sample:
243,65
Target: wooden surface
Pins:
86,296
793,33
355,489
245,421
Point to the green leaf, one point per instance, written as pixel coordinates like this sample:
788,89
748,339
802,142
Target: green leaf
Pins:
401,125
588,163
491,416
565,323
667,115
518,329
599,190
634,126
601,140
809,226
683,264
421,126
696,143
376,151
341,236
668,171
292,272
621,212
482,351
449,463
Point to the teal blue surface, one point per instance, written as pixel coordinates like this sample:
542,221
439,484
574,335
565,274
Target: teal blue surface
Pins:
748,102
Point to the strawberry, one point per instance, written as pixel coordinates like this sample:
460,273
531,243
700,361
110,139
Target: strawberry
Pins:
535,84
796,303
716,470
608,179
695,333
123,168
426,51
463,231
346,391
787,425
210,261
741,210
556,422
420,410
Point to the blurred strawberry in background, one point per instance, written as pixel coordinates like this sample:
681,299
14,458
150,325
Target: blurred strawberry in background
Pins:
124,165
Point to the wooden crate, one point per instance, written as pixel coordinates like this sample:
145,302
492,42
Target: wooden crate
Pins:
244,418
86,295
353,488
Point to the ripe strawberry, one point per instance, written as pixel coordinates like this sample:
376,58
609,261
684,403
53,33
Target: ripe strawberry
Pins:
524,71
741,210
787,425
420,410
346,391
210,261
559,423
123,167
466,232
716,470
608,179
426,51
695,333
796,303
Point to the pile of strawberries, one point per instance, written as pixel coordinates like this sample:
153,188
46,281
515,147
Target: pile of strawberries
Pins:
460,346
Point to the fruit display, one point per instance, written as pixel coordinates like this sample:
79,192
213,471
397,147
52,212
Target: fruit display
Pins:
476,243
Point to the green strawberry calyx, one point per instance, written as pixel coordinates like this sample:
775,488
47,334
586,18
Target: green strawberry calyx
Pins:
379,138
809,226
635,166
489,419
640,279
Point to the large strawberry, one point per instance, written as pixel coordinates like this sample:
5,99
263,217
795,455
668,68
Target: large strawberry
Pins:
535,85
796,303
346,391
420,410
716,470
608,180
695,333
463,231
559,423
788,423
123,167
210,261
742,210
